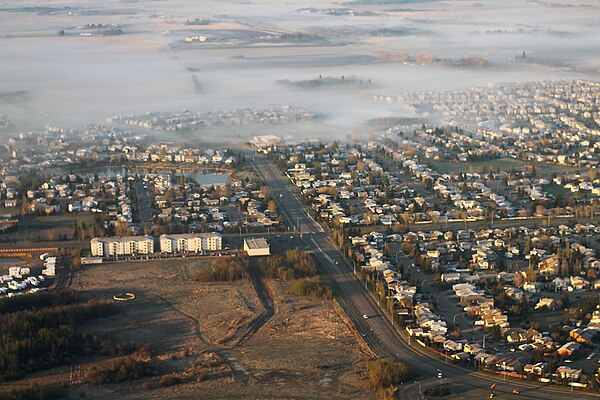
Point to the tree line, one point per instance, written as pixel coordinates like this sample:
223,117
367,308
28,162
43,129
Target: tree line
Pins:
43,333
292,265
47,298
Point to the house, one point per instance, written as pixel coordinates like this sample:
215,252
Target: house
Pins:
536,369
584,335
568,349
519,335
579,283
549,266
532,287
451,277
451,345
547,302
568,373
472,348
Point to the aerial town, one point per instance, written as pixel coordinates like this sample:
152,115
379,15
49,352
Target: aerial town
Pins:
366,199
467,262
492,269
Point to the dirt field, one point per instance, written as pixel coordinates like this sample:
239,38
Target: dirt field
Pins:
166,294
200,333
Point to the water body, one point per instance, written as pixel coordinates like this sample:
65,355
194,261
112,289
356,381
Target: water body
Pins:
201,177
217,179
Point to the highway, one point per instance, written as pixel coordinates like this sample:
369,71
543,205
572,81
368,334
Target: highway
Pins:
377,331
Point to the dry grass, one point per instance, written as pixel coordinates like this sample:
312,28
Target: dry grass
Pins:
305,350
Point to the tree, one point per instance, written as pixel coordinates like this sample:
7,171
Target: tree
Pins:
564,298
496,332
531,274
272,206
25,206
519,279
122,228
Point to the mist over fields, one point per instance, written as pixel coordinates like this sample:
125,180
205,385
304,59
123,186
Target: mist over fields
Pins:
247,48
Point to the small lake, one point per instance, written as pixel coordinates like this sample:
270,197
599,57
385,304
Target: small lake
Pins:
208,178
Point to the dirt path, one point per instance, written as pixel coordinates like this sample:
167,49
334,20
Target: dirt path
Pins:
266,300
195,320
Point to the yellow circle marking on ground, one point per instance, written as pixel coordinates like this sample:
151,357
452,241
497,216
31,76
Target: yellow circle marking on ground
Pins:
124,297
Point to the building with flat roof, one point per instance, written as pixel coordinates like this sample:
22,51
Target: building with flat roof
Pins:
121,246
191,242
257,247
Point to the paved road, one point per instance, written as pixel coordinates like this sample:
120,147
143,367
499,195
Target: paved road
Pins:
377,331
144,205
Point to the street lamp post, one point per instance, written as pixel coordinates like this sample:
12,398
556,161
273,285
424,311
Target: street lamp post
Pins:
454,319
396,256
420,390
484,336
571,384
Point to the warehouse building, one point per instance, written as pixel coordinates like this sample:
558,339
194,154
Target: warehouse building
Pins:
257,247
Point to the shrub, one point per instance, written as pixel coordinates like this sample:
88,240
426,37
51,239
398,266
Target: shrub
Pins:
311,288
120,370
294,264
224,269
168,380
386,373
437,391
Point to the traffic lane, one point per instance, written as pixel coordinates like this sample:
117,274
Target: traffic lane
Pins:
289,199
501,390
375,322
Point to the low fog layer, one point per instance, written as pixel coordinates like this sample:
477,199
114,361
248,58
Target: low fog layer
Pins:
53,71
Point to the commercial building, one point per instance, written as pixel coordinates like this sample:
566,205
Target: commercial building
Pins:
121,246
191,242
257,247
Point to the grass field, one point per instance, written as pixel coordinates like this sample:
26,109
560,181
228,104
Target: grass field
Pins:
504,164
552,318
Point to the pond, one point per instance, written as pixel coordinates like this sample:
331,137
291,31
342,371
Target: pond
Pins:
202,177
